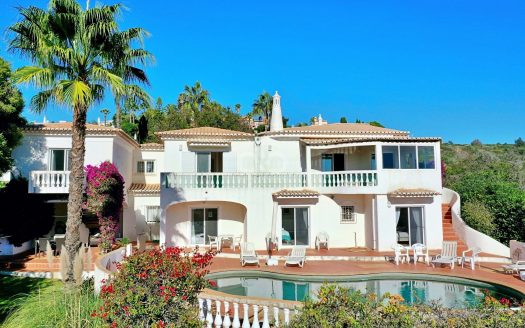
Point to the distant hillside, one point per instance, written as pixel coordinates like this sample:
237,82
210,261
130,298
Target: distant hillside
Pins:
491,182
507,159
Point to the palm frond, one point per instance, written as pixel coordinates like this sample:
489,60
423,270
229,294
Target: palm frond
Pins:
40,101
35,75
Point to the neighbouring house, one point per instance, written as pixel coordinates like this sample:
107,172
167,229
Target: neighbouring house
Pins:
365,186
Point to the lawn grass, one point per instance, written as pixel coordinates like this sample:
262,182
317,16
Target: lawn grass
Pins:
14,290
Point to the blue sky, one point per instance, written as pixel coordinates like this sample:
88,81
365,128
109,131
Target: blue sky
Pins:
454,69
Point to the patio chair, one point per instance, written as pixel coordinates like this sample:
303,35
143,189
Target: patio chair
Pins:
321,240
420,250
471,259
237,242
59,242
296,257
43,246
401,253
517,267
248,254
448,255
215,242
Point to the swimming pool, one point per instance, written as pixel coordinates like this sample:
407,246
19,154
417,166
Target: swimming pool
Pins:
452,292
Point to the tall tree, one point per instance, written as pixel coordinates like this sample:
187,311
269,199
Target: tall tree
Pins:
195,96
142,129
105,112
72,51
11,105
263,106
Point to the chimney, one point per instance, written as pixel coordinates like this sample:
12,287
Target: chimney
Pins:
276,122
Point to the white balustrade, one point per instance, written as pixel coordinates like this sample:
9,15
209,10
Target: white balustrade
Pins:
215,317
315,180
49,182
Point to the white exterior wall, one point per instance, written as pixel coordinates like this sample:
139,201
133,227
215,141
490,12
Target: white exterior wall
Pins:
135,214
143,155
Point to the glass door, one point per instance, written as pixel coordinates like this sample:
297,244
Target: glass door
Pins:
204,223
295,227
410,225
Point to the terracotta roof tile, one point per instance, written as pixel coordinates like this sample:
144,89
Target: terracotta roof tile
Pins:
413,193
152,146
334,141
64,128
304,193
205,132
144,188
338,128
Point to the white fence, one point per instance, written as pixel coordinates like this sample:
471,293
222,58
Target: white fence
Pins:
106,265
49,182
336,179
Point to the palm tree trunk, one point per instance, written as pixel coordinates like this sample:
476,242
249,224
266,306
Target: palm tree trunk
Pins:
76,186
117,106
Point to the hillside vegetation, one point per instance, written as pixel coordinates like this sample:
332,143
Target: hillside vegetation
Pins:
491,182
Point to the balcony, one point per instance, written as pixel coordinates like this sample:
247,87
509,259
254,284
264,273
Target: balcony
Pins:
49,182
340,181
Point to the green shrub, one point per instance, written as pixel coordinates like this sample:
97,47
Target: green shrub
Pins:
342,307
156,288
53,306
478,216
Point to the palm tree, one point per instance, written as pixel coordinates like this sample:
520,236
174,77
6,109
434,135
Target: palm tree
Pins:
71,51
195,96
238,108
105,112
263,106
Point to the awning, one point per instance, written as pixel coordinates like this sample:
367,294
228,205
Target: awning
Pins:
143,188
303,193
413,193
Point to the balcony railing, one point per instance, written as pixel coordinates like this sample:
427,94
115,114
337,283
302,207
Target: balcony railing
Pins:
316,180
49,182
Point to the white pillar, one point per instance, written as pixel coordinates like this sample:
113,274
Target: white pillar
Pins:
286,316
236,322
255,323
226,323
276,316
266,320
246,319
201,309
209,317
218,318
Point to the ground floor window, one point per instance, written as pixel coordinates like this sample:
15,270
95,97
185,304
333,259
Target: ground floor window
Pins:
204,222
295,226
410,225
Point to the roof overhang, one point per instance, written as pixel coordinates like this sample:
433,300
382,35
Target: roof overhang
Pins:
402,193
144,189
304,193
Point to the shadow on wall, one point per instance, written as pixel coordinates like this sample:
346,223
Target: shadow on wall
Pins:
31,155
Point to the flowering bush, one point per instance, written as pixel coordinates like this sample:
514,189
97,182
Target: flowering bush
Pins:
104,196
342,307
156,288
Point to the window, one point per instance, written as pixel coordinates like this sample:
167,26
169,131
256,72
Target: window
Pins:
60,160
145,166
152,214
209,162
426,157
204,223
390,157
347,214
408,157
295,227
410,225
332,162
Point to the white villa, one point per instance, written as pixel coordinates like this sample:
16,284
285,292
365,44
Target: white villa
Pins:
365,186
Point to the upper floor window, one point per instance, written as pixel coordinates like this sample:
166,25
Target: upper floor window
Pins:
60,160
209,162
347,214
332,162
425,155
152,214
146,166
408,157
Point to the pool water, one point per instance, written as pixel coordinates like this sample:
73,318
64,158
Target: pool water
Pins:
426,289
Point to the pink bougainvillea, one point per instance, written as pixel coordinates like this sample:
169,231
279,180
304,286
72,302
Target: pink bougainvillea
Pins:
104,197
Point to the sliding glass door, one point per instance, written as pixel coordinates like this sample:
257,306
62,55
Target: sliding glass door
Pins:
295,226
410,225
204,222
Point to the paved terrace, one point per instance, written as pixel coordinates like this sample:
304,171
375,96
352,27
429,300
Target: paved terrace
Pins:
339,261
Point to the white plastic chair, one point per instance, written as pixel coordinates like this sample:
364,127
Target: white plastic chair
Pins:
401,254
471,259
59,242
43,246
297,256
248,254
237,242
84,235
322,240
215,242
419,251
449,254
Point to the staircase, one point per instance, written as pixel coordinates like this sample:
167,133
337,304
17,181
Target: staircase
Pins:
448,231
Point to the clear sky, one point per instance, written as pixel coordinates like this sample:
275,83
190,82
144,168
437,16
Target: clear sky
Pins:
453,69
